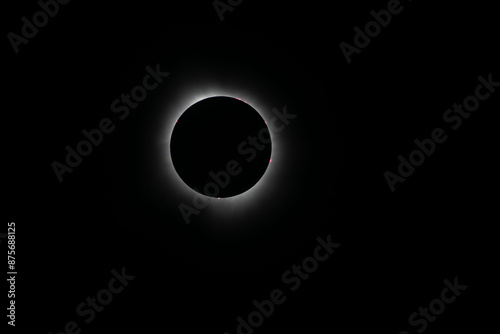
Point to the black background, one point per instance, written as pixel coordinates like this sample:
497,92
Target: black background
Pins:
353,122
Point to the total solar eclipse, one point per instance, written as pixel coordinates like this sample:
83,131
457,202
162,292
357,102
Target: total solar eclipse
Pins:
220,146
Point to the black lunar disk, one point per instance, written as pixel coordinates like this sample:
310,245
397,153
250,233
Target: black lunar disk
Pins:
220,146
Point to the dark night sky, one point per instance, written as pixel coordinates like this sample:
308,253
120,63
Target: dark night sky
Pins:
119,207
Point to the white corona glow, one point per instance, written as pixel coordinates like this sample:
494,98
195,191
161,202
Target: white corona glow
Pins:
254,197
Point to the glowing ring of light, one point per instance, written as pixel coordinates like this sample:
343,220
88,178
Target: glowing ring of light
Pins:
254,197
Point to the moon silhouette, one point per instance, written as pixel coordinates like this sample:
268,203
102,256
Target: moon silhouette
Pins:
220,147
